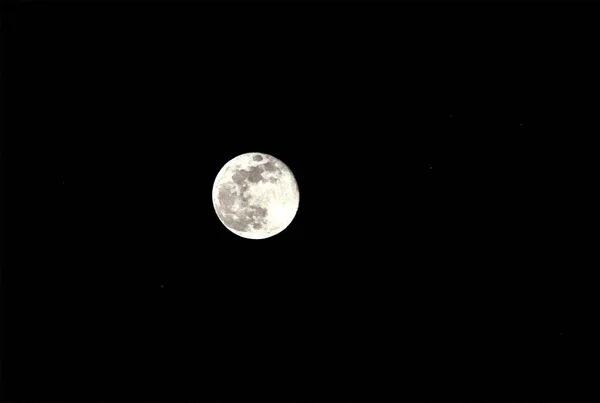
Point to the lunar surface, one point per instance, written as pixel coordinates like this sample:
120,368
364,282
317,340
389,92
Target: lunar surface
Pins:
255,196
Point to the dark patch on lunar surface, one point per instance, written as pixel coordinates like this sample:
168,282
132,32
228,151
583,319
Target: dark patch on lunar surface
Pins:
270,167
248,215
257,158
255,175
258,211
226,197
240,176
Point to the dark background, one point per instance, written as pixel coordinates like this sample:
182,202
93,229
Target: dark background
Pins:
433,256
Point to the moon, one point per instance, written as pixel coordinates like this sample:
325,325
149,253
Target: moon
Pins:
255,195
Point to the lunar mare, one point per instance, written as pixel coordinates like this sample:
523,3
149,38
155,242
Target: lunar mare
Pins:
255,195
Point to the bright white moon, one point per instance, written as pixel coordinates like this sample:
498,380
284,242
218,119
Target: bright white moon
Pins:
255,196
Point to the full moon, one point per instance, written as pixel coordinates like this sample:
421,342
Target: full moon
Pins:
255,196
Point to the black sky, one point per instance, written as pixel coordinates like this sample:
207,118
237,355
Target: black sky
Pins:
424,140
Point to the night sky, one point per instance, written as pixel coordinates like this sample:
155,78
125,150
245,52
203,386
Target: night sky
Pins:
429,258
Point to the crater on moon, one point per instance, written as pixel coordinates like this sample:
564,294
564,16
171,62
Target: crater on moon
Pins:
255,196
